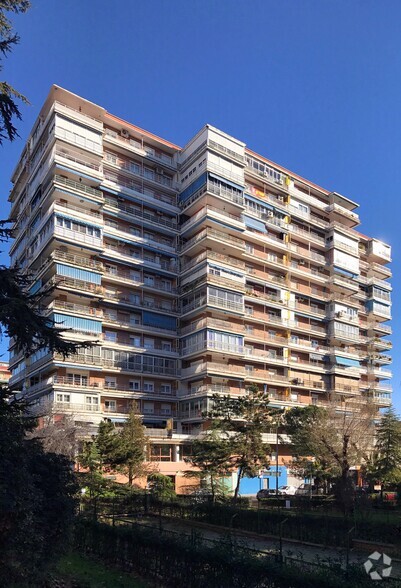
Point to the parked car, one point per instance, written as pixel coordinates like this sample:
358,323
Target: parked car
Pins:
287,490
265,493
303,490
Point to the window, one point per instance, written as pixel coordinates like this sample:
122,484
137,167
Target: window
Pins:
77,379
64,398
161,452
148,386
215,271
249,248
135,341
149,343
249,310
165,388
134,385
148,408
135,319
165,409
91,403
149,280
110,405
166,345
110,336
295,339
110,382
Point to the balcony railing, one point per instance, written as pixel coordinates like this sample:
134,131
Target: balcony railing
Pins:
213,324
81,160
75,407
79,186
135,187
77,259
213,234
76,308
142,214
77,236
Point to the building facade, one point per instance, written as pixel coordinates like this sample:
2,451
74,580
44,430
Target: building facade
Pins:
195,271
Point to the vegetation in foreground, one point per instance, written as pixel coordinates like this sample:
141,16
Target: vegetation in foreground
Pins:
88,573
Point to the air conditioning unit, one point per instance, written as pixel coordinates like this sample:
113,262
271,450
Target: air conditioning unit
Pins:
280,198
301,262
270,213
124,133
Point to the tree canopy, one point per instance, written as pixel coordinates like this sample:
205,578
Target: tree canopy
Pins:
9,96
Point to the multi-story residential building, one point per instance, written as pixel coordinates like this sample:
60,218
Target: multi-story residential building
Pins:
195,271
4,373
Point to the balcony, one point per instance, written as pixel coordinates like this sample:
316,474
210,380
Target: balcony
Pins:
162,305
122,365
77,236
79,260
77,140
74,407
212,346
75,308
71,283
213,368
214,236
93,193
160,220
213,301
78,160
212,256
145,193
226,151
210,211
212,323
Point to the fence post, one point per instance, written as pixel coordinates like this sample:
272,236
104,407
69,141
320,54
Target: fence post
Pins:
348,549
113,510
281,539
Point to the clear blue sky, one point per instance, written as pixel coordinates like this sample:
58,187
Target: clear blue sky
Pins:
314,85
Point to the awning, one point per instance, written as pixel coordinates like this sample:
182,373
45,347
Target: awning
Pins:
345,361
254,223
224,180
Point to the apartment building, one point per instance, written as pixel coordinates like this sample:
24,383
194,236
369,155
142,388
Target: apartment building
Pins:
4,373
193,270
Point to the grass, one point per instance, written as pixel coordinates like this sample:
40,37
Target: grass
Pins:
94,574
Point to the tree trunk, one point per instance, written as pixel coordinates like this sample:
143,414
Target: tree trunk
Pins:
236,491
130,475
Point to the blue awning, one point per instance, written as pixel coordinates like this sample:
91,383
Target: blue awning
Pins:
255,224
227,182
345,361
344,272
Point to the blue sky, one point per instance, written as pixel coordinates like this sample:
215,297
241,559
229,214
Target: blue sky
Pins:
311,84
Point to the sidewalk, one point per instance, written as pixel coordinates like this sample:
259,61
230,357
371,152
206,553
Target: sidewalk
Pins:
291,549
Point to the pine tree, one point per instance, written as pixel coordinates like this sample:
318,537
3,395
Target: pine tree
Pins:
385,465
8,95
108,442
131,452
211,456
243,421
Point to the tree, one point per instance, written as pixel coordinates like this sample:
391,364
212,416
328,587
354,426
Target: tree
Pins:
161,487
132,448
385,463
8,95
211,456
243,421
57,434
37,499
337,440
109,444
